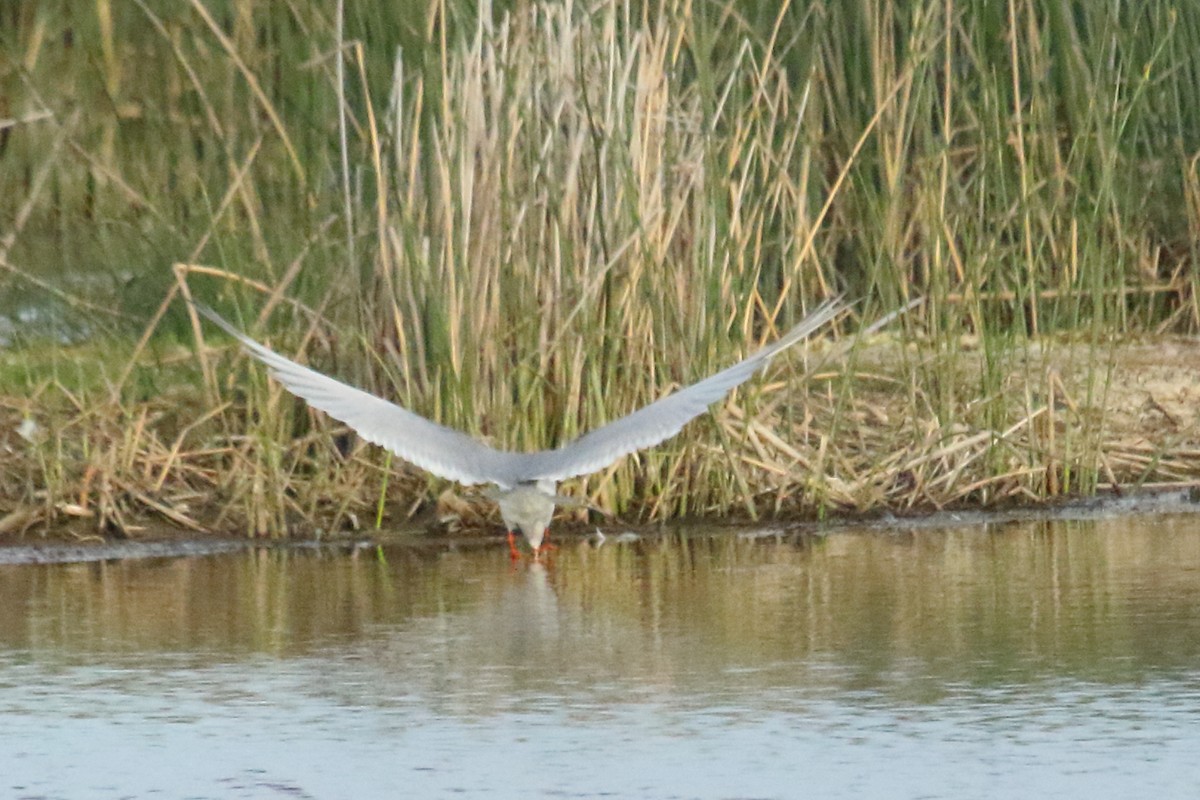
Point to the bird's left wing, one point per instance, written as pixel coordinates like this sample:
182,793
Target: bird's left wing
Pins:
663,418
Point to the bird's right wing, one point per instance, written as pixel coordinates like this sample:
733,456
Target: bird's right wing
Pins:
443,451
663,418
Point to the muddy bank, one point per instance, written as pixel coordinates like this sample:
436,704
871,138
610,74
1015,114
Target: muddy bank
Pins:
17,551
168,543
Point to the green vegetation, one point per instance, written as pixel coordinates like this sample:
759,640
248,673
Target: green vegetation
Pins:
527,220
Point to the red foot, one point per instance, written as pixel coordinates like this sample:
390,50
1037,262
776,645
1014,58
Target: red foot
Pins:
545,545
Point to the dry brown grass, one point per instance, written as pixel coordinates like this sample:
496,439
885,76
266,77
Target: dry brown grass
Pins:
99,468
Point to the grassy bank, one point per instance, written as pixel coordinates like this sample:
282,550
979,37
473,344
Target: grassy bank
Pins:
530,220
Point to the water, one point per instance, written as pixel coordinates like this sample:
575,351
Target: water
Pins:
1018,660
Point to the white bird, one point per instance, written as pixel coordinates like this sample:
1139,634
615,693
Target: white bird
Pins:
526,483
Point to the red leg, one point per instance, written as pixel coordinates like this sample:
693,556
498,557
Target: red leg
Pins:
513,553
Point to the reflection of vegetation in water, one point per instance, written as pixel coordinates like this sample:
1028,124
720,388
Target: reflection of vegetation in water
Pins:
925,614
526,225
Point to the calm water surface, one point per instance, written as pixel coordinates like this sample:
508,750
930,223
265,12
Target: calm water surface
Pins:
1024,660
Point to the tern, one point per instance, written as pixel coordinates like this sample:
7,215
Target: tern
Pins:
525,484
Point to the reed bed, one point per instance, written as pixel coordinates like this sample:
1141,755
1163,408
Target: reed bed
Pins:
523,221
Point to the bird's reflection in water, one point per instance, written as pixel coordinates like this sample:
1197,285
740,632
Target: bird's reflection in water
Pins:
529,612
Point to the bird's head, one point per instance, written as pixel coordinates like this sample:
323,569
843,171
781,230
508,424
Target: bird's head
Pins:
527,508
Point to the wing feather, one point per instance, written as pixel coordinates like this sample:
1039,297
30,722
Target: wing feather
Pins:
443,451
456,456
664,418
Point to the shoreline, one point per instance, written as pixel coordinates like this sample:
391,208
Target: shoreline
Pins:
165,543
1073,423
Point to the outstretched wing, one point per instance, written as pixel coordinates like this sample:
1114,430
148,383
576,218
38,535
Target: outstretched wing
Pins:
443,451
455,456
663,418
